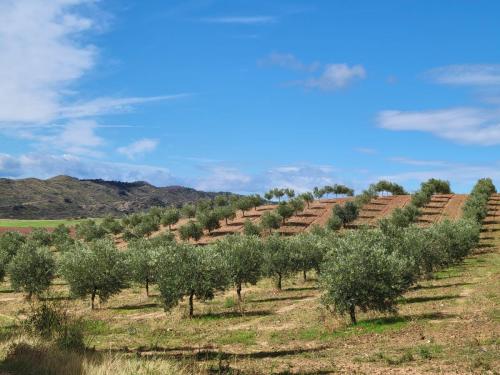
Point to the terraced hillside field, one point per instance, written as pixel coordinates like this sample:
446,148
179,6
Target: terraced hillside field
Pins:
379,208
442,206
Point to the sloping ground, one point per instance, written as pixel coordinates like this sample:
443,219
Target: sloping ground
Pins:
379,208
441,207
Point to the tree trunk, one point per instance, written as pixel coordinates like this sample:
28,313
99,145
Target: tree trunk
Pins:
352,314
191,295
278,283
92,298
226,221
243,213
238,292
30,294
147,287
304,274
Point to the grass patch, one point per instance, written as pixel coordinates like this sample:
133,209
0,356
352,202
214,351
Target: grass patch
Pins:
245,337
96,327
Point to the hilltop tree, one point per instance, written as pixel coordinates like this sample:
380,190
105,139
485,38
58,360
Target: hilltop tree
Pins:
192,230
318,193
342,190
170,217
221,201
278,193
270,221
96,268
290,193
142,258
32,269
269,195
307,197
278,258
297,205
244,258
256,200
389,187
189,271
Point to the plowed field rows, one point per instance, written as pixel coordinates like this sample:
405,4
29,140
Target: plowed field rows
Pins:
441,207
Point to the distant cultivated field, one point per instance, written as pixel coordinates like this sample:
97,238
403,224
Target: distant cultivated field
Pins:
13,223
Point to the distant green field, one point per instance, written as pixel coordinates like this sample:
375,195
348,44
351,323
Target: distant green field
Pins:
36,223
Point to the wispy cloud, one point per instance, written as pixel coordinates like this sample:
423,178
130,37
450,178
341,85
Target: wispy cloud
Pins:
466,74
462,125
242,20
366,150
287,61
333,76
420,163
139,147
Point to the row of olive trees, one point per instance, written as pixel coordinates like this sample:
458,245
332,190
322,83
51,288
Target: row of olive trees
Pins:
475,208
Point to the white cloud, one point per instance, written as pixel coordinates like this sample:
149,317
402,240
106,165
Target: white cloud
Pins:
40,57
462,125
467,74
288,61
336,76
366,150
242,20
415,162
46,166
139,147
220,178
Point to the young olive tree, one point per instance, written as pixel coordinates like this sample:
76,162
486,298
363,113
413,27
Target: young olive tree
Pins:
209,220
244,204
88,230
244,258
318,192
95,268
278,258
32,269
250,228
142,256
269,195
226,213
190,271
170,217
188,211
359,272
270,221
307,197
192,230
111,225
307,252
285,210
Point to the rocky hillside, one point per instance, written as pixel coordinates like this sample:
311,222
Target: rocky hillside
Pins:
68,197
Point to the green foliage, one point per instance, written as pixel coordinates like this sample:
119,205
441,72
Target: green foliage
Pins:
10,243
475,208
250,228
244,204
40,237
297,205
307,197
256,200
279,260
170,217
244,257
95,269
221,201
390,187
226,213
307,251
188,211
142,257
360,273
285,210
290,193
401,217
192,230
319,192
111,225
190,271
346,213
334,222
270,220
32,269
209,220
88,230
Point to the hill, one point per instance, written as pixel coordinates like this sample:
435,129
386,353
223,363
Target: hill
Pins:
68,197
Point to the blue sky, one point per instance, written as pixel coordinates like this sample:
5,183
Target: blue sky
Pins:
246,95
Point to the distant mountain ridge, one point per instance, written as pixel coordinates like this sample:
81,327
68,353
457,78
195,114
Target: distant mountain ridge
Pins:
68,197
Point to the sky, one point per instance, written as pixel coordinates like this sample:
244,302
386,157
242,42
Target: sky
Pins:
243,96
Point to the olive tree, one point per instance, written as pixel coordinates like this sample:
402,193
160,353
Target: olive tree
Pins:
279,193
40,237
142,256
250,228
269,195
226,213
95,268
307,197
279,260
32,269
270,220
307,252
318,192
244,258
188,211
192,230
88,230
285,210
111,225
244,204
190,271
297,205
10,243
359,272
170,217
209,220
